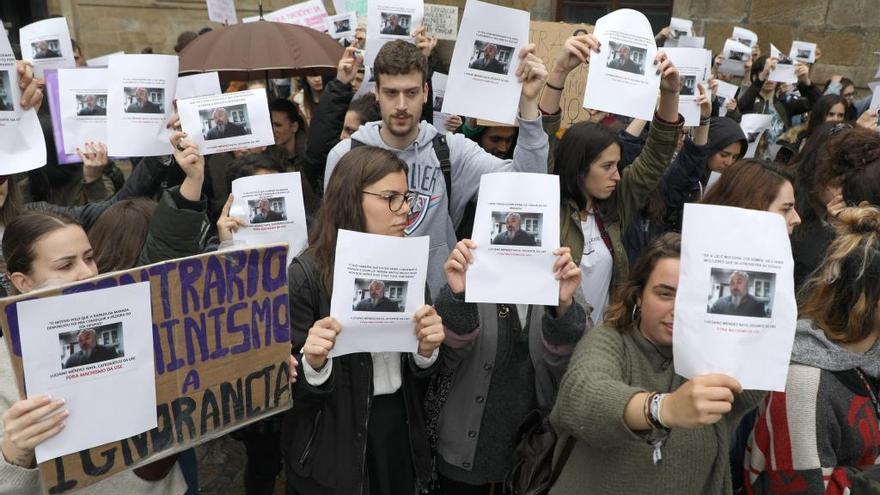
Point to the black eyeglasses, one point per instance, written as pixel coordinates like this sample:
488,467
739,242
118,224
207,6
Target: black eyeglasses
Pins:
395,200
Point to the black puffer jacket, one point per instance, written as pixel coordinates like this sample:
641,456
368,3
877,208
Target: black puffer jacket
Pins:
324,436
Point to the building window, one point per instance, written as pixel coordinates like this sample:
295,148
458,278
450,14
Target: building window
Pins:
658,12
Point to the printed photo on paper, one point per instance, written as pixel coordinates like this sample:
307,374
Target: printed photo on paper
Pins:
516,228
491,57
267,210
627,58
91,345
46,49
387,296
395,24
91,104
688,85
741,293
438,103
144,100
225,122
5,92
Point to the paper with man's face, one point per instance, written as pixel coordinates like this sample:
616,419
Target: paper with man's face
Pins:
22,145
47,44
735,311
623,78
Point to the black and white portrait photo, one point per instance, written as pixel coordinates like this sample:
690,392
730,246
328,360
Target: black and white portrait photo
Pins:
395,24
91,345
91,104
510,228
267,210
44,49
144,100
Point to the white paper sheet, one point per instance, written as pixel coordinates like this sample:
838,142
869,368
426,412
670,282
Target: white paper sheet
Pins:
204,84
681,27
310,13
803,51
47,44
389,20
228,121
141,91
383,323
482,75
516,228
875,96
438,86
342,25
22,145
754,125
750,341
744,36
691,42
272,207
83,97
622,77
784,71
111,392
691,64
725,91
442,21
103,60
735,54
222,11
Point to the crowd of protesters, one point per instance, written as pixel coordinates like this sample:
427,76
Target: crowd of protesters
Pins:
449,418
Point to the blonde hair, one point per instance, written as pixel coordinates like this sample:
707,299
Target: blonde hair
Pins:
841,295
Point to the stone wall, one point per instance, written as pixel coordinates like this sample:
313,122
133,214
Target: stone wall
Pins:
847,31
105,26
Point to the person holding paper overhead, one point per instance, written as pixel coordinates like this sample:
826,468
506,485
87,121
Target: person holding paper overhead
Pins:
598,202
510,357
401,86
832,379
43,249
621,406
357,426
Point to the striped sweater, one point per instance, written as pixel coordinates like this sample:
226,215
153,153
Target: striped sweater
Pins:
820,436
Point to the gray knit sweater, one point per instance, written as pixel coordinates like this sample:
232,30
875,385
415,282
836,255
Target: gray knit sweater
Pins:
609,367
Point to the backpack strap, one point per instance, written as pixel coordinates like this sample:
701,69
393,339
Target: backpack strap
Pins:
441,149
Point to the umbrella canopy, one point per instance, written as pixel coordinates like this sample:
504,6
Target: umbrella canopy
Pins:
262,50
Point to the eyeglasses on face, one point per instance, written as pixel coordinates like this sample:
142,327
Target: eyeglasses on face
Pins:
396,200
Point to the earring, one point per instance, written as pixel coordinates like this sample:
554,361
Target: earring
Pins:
636,312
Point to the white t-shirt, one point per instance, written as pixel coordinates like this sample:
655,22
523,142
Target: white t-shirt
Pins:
596,269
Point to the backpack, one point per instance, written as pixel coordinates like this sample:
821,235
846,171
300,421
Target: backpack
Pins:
441,150
533,471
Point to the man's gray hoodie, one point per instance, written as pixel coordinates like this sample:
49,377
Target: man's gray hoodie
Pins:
432,215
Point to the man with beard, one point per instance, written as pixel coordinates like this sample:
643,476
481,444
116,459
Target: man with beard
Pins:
514,235
402,90
739,302
223,128
92,108
377,300
90,351
142,104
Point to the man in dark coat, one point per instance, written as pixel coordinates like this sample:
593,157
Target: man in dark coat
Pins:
514,235
223,128
394,28
488,62
622,61
377,300
739,302
142,105
92,108
43,51
266,214
89,350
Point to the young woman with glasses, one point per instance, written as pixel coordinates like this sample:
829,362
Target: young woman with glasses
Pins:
357,425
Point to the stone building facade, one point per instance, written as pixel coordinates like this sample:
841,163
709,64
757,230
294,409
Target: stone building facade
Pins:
847,31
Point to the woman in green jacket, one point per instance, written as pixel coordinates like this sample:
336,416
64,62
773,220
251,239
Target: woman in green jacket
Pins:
632,425
599,201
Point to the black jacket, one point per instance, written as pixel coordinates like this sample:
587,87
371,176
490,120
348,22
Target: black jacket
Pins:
749,101
324,437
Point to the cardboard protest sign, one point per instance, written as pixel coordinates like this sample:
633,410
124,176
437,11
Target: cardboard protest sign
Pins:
221,339
441,21
549,38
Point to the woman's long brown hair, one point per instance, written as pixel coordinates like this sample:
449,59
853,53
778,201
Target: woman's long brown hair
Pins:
118,236
342,207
